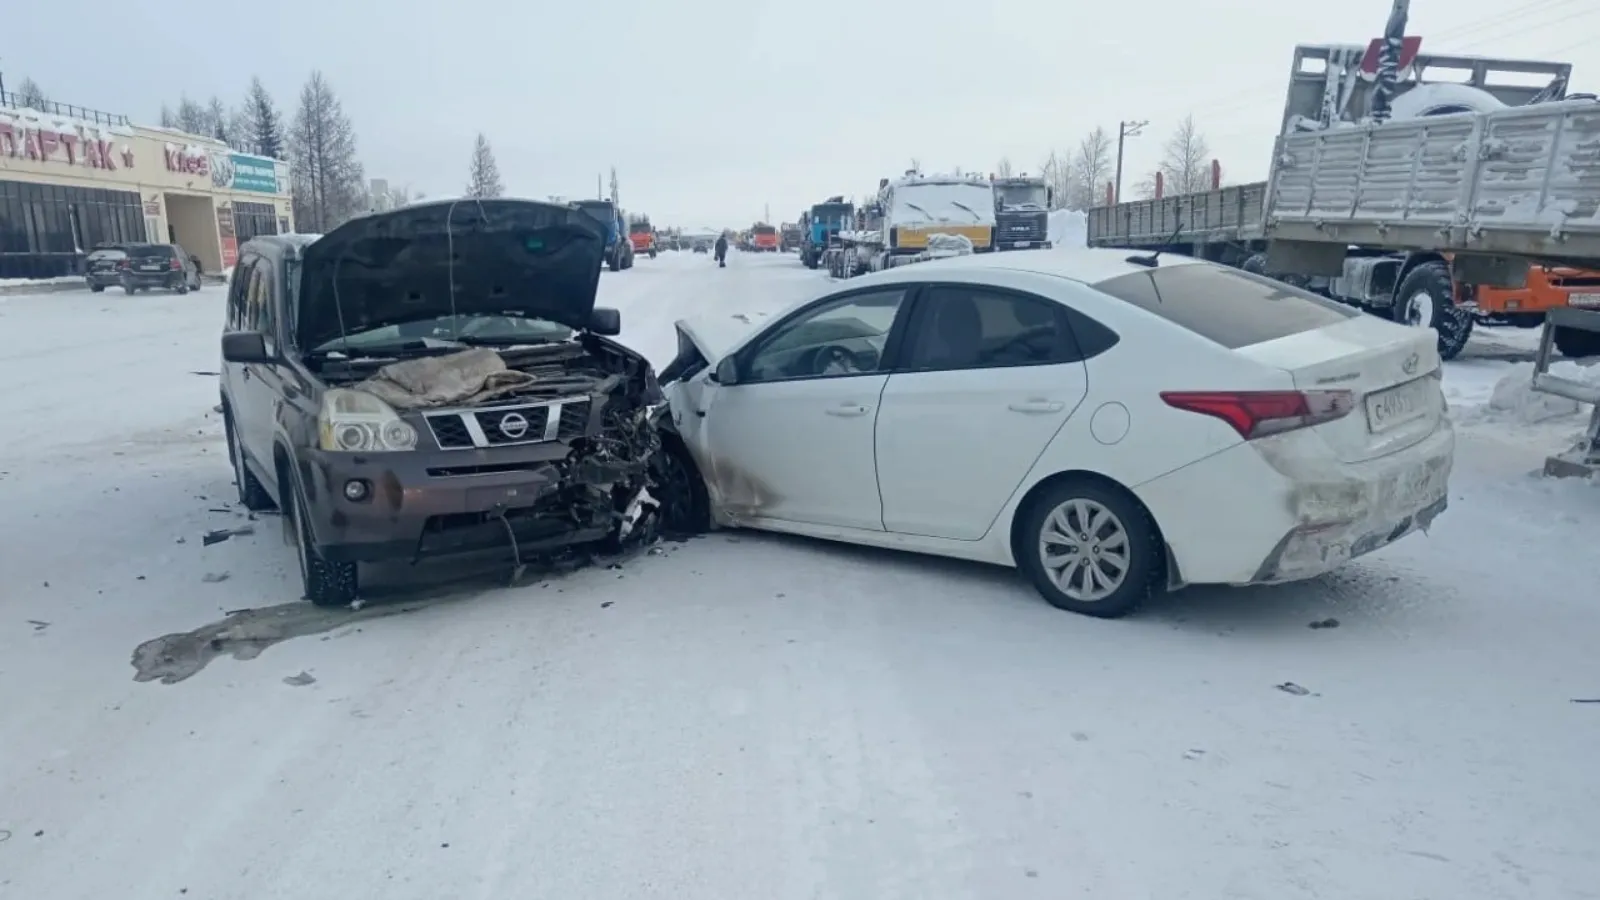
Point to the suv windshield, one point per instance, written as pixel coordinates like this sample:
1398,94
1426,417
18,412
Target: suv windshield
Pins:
1229,306
465,328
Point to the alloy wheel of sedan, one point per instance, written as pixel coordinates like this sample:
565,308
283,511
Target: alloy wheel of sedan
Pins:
1084,550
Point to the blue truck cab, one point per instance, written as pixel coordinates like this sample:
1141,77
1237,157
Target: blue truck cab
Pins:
821,224
619,250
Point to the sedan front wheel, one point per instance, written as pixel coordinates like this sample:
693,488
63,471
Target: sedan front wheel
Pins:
1090,548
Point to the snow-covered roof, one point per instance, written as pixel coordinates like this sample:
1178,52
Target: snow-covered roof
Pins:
33,118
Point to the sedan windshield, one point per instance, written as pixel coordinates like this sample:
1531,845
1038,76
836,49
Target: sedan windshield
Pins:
464,329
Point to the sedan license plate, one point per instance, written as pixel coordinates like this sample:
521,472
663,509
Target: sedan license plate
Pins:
1398,405
155,268
1584,301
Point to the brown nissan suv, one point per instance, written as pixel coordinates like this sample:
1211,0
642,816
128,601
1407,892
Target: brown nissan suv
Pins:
437,379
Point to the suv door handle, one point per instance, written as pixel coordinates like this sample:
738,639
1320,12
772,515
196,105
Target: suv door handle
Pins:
848,410
1036,407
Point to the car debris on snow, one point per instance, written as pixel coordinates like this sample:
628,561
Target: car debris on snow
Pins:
222,534
1289,687
301,680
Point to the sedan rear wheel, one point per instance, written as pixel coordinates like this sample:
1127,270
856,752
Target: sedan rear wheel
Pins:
1089,548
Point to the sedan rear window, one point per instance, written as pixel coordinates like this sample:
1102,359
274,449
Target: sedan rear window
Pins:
151,251
1232,307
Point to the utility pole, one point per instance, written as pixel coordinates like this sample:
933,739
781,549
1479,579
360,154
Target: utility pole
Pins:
1125,130
766,213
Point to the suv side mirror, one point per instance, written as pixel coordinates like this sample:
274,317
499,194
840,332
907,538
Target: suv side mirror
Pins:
727,371
605,321
246,347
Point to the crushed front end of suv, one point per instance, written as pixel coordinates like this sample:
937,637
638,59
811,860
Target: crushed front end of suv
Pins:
437,379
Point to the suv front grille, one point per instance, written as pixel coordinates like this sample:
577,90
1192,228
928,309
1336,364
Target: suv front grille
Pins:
505,426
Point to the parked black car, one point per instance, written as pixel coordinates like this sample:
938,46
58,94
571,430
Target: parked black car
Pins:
102,268
165,266
437,379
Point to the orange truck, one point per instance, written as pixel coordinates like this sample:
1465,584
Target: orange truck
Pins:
764,238
1548,287
642,236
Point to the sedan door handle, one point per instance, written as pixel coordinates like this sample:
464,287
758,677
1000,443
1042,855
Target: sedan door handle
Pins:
1036,407
848,410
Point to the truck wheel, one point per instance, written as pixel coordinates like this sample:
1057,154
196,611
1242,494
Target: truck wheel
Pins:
615,262
1575,343
1255,264
1426,299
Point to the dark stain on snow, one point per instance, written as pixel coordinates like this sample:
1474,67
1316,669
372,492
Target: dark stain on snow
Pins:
245,634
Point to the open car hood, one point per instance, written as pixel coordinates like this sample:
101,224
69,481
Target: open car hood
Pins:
714,336
474,257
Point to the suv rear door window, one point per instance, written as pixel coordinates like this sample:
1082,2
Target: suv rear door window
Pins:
1232,307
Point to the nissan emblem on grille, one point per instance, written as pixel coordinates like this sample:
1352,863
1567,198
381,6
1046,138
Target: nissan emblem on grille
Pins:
513,425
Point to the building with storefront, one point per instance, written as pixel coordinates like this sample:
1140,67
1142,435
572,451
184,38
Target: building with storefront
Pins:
72,178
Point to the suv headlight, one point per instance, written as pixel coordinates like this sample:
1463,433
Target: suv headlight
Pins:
357,422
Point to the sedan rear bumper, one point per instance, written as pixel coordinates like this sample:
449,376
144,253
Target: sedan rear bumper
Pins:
1282,509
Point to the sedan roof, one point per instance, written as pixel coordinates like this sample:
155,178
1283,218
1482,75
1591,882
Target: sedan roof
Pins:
1089,265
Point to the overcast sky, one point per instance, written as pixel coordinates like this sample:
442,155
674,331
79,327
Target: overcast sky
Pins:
712,110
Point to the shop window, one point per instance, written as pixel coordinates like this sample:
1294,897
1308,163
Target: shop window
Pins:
45,230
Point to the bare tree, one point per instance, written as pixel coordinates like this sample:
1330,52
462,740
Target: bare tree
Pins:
264,131
29,95
217,121
1003,169
483,179
1059,175
1186,160
1091,167
916,164
192,117
169,119
327,178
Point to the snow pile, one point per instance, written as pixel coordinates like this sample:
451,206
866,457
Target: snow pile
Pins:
1069,228
941,246
1513,397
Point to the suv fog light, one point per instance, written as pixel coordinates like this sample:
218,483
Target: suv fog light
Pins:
357,490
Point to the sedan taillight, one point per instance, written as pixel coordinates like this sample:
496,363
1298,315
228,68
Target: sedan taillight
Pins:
176,265
1256,414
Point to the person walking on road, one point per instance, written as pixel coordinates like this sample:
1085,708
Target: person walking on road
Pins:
722,251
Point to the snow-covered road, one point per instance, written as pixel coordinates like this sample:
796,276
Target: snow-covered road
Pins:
747,716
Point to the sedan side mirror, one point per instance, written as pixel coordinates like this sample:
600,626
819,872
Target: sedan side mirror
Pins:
605,321
727,371
246,347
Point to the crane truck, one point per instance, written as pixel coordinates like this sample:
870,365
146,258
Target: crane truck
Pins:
1435,190
906,218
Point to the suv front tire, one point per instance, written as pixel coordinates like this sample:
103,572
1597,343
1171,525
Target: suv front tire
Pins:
326,583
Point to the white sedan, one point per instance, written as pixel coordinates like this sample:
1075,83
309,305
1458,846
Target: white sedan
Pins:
1113,425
